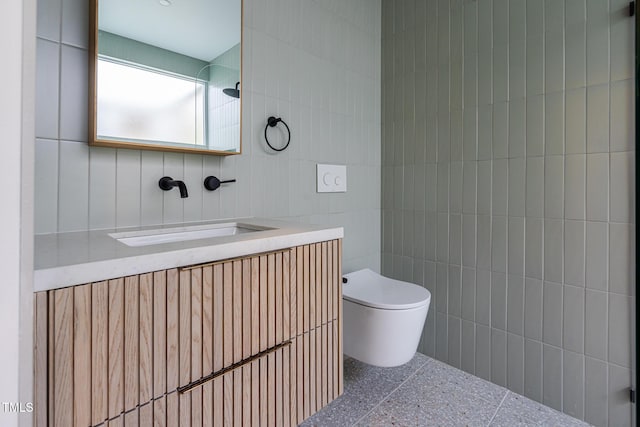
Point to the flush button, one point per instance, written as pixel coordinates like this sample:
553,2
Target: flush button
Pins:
331,178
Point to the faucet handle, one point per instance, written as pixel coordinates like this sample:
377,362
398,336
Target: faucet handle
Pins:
212,183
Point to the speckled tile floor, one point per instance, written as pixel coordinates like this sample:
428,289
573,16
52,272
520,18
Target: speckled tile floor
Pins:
426,392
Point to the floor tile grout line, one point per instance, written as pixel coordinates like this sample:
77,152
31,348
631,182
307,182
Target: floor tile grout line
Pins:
498,408
414,373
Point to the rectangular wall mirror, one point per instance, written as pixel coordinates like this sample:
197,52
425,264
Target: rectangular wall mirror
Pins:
165,75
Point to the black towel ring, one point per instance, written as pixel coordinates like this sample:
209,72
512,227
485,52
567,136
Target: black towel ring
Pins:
272,122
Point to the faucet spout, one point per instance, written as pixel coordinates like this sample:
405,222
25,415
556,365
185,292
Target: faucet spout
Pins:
167,183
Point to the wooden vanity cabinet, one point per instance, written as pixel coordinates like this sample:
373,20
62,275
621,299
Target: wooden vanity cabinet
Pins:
249,341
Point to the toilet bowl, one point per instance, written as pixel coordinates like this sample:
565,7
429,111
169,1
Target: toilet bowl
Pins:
383,318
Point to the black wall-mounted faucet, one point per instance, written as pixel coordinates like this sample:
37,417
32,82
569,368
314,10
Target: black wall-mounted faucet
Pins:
212,183
167,183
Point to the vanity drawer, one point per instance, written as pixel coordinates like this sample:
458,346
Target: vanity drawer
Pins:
106,348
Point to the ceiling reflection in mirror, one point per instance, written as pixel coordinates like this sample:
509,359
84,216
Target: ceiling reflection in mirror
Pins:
168,75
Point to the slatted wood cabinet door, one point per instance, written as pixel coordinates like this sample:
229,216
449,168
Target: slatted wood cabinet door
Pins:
245,342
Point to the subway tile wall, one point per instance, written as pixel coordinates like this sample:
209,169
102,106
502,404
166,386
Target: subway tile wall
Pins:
314,63
507,190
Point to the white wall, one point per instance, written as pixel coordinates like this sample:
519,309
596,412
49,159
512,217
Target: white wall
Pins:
314,63
508,190
17,47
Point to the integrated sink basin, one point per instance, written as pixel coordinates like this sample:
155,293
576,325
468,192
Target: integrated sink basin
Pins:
181,234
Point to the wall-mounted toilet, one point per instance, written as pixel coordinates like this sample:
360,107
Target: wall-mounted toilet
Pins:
383,318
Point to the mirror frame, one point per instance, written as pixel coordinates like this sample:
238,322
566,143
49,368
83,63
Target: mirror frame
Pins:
93,98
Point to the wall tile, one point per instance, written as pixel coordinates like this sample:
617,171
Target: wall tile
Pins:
535,124
575,186
517,67
128,165
499,190
574,253
517,186
535,187
470,132
596,324
535,60
619,330
622,187
500,131
554,123
597,42
73,190
552,314
443,187
454,329
443,237
75,23
46,186
533,309
598,119
151,197
573,319
517,128
598,187
455,187
456,131
575,117
498,301
533,370
484,242
73,94
173,205
554,187
622,116
622,36
533,247
553,250
483,297
621,255
499,244
483,352
469,188
468,362
515,252
468,309
454,299
554,55
441,337
573,384
552,376
619,405
515,363
597,258
517,20
595,395
442,287
499,357
484,187
576,47
102,188
455,239
485,136
48,20
195,175
47,89
515,304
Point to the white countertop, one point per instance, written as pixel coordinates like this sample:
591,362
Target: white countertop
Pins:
67,259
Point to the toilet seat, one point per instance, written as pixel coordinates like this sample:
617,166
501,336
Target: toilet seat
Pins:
368,288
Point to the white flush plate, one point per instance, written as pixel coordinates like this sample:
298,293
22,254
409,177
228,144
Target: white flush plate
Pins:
332,178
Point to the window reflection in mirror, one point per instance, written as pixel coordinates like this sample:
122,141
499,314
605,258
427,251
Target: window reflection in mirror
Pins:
157,86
